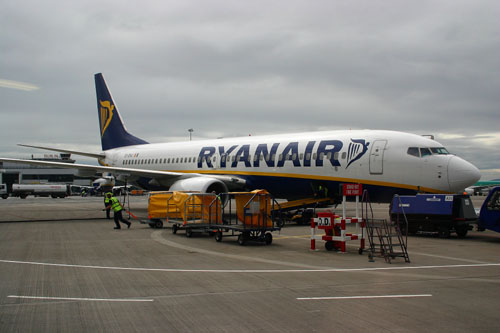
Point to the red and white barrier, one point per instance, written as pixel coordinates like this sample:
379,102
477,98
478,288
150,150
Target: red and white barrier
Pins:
335,230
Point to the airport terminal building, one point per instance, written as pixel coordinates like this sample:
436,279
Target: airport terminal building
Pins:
17,173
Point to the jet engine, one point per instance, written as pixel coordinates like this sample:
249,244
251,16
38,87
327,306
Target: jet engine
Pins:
199,184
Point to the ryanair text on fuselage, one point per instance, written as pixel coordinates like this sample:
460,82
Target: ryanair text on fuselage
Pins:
266,154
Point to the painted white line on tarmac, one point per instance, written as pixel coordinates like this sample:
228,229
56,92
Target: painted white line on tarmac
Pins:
83,299
359,297
181,270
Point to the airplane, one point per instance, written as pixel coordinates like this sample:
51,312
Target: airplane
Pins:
482,187
289,166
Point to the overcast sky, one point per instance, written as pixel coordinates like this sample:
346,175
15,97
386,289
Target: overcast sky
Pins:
231,68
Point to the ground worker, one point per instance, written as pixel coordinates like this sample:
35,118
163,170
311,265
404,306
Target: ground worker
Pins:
117,211
107,207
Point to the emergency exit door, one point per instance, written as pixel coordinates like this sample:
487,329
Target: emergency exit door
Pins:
377,157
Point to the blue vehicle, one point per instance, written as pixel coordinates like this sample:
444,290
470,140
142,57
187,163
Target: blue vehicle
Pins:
434,213
489,216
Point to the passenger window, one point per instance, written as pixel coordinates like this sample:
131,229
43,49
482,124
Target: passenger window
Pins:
425,152
413,151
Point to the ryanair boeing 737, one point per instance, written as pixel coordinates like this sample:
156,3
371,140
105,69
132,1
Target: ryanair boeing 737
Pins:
289,166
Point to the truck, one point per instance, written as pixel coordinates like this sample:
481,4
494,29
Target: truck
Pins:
3,191
440,214
42,190
489,215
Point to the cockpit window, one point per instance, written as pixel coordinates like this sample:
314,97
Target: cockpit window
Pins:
440,151
425,152
413,151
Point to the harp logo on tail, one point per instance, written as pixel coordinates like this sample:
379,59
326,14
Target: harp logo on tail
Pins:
106,114
357,148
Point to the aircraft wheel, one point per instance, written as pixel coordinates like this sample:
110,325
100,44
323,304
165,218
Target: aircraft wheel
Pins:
218,236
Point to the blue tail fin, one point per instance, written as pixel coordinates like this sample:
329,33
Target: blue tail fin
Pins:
113,132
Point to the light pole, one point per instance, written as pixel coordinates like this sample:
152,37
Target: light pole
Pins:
190,133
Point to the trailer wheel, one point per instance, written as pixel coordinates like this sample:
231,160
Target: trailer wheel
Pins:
158,224
329,246
174,229
4,196
360,251
462,231
218,236
23,196
268,238
189,233
241,239
444,232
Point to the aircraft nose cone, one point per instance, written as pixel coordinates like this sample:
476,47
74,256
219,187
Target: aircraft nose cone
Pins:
461,174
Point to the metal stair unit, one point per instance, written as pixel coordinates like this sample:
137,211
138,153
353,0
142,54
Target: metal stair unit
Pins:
386,239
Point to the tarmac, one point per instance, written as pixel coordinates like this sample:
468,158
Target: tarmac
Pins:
64,268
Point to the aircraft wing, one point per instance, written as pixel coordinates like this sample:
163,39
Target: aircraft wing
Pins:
65,151
127,172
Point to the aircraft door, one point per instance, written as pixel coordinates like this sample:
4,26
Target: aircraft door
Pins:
377,157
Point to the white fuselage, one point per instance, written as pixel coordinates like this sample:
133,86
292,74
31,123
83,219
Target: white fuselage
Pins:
377,159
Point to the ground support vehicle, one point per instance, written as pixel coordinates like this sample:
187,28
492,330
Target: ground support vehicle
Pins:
489,215
439,214
41,190
247,216
299,211
3,191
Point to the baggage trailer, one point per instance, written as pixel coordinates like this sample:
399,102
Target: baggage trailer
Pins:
251,220
184,210
435,213
157,209
193,212
489,215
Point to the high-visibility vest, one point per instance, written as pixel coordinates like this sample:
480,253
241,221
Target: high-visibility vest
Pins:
115,204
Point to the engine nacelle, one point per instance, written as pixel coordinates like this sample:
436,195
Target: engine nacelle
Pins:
199,184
